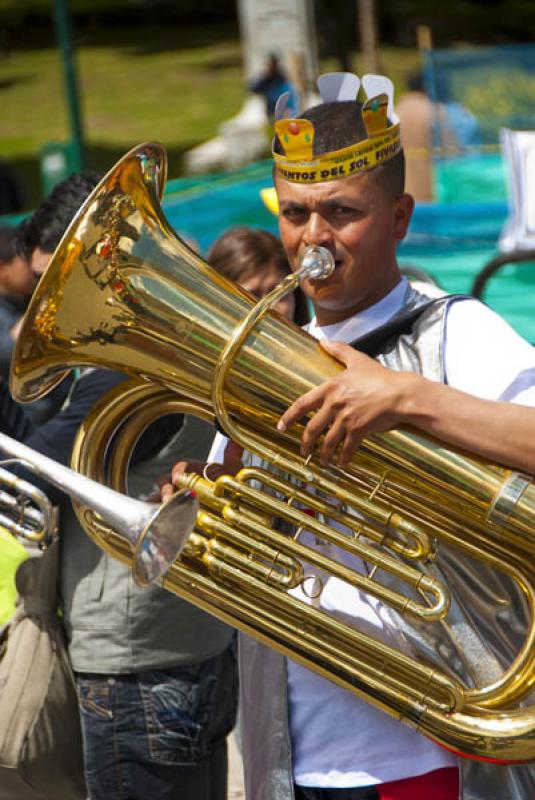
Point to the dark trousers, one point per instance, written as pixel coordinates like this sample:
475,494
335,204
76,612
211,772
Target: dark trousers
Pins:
358,793
159,734
440,784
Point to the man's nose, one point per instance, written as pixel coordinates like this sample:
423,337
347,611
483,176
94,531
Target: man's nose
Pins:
318,231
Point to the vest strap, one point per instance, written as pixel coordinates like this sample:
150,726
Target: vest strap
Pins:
373,343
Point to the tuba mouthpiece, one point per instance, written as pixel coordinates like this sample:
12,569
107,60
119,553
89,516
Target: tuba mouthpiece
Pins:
316,262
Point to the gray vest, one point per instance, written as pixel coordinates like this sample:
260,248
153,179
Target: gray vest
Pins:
263,672
112,625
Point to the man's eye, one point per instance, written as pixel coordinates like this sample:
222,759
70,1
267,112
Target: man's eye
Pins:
341,211
294,213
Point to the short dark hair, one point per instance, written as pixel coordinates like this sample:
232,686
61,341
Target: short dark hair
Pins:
241,251
8,243
340,124
49,222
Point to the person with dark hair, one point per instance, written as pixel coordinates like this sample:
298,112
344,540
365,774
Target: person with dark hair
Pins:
16,278
455,341
439,364
17,283
256,260
37,237
40,234
156,676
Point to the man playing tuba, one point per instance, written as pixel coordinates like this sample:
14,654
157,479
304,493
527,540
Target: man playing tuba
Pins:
339,178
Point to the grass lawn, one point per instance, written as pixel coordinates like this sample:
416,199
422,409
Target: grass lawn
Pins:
174,85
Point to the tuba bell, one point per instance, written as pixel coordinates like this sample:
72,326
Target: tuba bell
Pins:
124,292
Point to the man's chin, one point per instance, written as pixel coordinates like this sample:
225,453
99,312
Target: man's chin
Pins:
331,298
327,285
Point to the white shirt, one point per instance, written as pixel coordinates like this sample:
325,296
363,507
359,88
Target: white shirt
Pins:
339,740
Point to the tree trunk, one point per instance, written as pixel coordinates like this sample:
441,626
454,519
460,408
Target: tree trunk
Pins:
368,35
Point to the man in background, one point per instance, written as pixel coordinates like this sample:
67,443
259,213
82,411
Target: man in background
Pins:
156,677
17,283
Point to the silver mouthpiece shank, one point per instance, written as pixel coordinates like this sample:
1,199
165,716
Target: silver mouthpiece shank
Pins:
316,262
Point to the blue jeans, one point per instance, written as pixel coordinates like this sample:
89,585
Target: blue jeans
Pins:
159,735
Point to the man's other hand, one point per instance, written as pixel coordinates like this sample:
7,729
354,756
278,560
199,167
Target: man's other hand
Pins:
168,483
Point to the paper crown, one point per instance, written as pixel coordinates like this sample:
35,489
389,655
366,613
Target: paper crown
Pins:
296,136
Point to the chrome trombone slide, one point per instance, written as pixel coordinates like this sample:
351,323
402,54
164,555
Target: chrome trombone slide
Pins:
156,534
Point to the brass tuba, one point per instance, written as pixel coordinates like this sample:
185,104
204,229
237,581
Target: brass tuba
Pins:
124,292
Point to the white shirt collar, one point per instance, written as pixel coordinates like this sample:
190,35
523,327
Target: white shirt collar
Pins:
365,321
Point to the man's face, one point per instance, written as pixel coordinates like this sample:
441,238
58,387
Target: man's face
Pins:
359,224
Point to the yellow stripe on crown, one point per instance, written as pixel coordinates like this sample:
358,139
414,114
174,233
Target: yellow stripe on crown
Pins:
351,160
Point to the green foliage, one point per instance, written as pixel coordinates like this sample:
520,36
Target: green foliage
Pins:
172,86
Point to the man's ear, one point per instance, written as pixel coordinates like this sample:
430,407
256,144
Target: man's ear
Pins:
403,208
